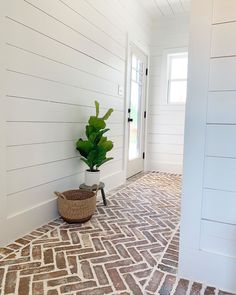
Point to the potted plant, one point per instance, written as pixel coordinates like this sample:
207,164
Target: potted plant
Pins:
94,149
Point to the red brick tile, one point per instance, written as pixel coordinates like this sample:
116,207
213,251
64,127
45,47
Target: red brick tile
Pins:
134,287
37,288
77,286
182,287
49,275
167,285
30,265
101,275
2,271
119,263
10,283
75,238
133,268
60,260
24,286
209,291
36,252
48,256
97,291
154,281
86,270
196,289
63,281
72,262
116,279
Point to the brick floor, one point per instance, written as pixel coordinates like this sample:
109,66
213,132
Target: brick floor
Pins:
128,247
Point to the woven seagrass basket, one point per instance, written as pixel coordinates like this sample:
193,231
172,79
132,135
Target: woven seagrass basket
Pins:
76,205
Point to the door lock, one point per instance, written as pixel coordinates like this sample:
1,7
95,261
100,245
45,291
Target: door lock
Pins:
130,120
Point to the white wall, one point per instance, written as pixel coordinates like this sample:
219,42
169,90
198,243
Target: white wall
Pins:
3,229
59,56
165,121
208,226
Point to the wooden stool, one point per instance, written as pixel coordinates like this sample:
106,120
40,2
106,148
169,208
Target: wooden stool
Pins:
100,187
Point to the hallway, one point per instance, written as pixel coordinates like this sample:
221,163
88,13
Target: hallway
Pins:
128,247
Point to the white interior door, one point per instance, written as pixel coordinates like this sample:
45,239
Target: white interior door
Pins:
136,111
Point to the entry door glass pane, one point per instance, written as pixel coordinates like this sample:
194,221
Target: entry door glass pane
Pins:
136,109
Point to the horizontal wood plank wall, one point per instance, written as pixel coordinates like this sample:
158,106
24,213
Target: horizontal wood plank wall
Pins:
3,200
208,223
165,121
61,55
219,198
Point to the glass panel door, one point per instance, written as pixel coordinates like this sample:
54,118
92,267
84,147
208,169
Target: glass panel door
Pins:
136,112
135,108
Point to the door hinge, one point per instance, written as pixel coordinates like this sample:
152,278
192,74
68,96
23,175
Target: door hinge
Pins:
143,155
146,71
145,114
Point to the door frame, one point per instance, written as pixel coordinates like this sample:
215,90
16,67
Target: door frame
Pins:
131,44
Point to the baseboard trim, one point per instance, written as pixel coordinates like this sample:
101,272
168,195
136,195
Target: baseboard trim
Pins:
23,223
114,180
165,167
208,268
26,221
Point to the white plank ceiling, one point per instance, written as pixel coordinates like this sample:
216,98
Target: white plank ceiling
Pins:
162,8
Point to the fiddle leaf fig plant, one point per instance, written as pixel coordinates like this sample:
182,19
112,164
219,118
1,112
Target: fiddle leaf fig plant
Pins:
95,148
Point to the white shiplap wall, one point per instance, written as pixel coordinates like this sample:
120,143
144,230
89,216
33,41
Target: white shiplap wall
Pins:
166,122
59,56
208,227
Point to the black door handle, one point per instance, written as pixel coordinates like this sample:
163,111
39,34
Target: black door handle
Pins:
130,120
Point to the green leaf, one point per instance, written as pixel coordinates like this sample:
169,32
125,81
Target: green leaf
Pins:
89,130
97,123
107,145
84,147
107,115
104,161
104,131
97,155
103,139
93,136
97,108
99,136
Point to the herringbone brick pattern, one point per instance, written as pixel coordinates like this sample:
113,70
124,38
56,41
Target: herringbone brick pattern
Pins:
129,247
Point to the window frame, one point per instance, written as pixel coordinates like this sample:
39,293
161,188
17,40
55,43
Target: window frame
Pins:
167,72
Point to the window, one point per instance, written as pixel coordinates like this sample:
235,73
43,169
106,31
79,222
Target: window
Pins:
177,77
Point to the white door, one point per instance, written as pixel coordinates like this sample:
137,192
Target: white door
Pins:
136,111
